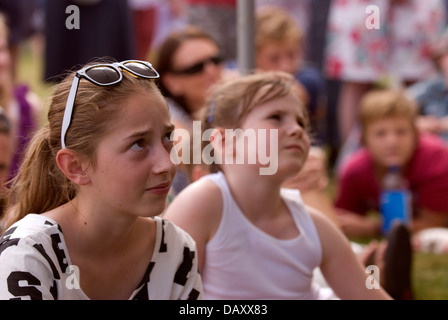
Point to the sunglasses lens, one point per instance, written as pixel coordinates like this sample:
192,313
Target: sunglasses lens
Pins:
199,67
196,68
141,69
103,75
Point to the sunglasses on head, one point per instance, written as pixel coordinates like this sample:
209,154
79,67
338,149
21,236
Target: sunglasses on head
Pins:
105,74
199,66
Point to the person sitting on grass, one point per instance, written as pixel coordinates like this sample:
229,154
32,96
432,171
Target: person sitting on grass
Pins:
390,138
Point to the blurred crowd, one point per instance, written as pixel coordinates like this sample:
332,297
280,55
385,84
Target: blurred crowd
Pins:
342,68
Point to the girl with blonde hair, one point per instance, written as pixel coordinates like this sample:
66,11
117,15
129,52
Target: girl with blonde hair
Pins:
256,239
83,215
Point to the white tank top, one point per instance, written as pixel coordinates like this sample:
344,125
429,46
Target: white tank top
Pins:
244,262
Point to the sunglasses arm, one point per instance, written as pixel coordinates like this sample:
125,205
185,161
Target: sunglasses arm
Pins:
69,109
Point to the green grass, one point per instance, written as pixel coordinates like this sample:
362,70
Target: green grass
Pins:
430,276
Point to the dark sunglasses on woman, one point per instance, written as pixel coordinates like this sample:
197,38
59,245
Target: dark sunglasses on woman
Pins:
199,66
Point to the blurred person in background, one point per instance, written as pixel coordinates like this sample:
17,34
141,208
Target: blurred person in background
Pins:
152,20
21,105
105,30
189,63
24,19
431,95
219,18
389,47
5,157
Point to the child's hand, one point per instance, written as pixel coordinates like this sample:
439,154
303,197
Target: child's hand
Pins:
313,175
430,124
354,225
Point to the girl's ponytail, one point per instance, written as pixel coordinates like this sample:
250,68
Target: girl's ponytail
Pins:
39,185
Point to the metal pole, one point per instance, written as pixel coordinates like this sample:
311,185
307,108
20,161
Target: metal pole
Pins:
246,36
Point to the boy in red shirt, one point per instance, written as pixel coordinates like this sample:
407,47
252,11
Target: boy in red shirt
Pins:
391,138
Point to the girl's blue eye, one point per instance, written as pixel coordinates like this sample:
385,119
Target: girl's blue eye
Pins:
167,139
138,145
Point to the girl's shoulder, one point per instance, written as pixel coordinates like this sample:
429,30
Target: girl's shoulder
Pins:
204,192
198,206
32,226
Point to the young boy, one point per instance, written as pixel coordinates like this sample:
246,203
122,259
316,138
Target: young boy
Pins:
391,138
279,44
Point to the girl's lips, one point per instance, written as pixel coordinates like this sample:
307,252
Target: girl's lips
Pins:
294,148
160,189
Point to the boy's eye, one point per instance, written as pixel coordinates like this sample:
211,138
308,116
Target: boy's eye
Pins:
275,116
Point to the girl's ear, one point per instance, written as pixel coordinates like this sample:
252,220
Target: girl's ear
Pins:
72,166
225,149
218,140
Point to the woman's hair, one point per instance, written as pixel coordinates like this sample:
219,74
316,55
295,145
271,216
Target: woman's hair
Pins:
169,48
40,185
232,100
386,103
274,24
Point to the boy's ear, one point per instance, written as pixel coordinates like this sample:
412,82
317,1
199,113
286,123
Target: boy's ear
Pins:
72,166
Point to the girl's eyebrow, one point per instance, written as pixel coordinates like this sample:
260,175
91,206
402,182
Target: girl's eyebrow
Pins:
167,128
138,134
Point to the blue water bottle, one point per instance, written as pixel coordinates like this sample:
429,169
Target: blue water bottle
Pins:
395,200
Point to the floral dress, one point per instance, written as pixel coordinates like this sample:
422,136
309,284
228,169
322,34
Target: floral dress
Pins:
398,46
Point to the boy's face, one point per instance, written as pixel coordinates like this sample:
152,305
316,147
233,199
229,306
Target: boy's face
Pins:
390,141
279,56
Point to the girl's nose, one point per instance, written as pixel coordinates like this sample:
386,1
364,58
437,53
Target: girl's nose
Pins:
163,163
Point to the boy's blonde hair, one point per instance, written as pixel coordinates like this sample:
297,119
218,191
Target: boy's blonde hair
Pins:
273,24
386,103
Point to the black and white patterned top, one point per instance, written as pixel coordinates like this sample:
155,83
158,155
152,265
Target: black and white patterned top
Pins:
35,264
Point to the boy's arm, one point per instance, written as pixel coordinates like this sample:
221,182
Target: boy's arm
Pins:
429,219
355,225
350,204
